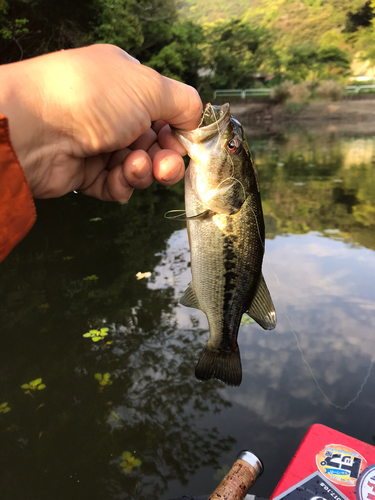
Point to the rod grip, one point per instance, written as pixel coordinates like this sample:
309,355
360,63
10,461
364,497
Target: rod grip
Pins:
241,477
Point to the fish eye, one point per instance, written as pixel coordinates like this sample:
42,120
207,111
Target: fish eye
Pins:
233,146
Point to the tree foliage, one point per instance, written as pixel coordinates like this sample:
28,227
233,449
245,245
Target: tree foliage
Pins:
287,40
312,62
233,51
181,57
362,17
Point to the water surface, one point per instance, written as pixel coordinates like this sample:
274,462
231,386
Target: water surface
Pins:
67,440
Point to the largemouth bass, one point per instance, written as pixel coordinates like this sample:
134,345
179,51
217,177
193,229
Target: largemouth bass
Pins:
226,236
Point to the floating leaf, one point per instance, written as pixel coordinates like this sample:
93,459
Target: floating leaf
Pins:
126,467
93,277
33,385
98,376
129,462
96,334
95,219
4,408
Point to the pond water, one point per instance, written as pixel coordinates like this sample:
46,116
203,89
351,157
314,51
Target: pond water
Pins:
76,271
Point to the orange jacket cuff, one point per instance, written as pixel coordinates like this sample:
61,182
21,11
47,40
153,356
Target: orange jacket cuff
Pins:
17,209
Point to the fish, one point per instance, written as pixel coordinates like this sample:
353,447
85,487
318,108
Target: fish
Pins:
226,237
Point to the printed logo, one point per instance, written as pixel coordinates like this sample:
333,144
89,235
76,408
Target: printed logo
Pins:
365,487
313,487
340,464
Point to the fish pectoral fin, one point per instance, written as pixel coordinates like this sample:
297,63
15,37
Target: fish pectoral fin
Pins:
189,299
262,309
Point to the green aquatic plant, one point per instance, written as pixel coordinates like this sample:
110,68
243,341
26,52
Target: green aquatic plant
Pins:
129,462
96,335
34,385
95,219
93,277
4,408
104,379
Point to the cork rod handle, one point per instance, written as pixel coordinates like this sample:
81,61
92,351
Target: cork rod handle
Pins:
243,474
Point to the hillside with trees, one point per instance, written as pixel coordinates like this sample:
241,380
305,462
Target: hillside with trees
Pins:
206,44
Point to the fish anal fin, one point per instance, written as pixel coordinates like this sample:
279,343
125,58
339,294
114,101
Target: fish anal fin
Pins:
262,309
189,299
221,365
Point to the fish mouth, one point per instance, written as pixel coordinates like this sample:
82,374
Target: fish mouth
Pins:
213,116
213,122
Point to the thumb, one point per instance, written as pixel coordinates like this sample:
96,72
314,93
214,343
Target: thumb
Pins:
174,102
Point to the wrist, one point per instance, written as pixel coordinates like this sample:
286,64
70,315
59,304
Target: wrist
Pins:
19,102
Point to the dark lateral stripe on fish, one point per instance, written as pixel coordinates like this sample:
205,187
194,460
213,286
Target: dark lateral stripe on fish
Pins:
230,276
223,365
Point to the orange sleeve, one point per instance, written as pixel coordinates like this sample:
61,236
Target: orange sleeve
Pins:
17,210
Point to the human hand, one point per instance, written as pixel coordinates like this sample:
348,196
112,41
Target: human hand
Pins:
95,120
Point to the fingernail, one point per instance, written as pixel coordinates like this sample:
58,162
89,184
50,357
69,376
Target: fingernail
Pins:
172,174
140,172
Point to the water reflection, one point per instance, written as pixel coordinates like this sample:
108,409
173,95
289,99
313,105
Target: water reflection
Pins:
320,267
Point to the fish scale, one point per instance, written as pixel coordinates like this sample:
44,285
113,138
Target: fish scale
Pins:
226,236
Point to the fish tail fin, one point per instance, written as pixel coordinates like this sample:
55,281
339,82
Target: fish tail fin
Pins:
222,365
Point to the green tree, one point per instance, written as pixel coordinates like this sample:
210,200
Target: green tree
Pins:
181,57
312,62
233,52
157,18
118,25
362,17
33,27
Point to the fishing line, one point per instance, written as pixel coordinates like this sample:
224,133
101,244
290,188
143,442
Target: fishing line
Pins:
180,215
299,345
228,154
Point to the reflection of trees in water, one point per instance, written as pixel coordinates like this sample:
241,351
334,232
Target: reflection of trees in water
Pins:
314,183
160,410
154,407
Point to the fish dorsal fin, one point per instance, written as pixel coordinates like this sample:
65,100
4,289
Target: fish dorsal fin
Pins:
262,309
189,299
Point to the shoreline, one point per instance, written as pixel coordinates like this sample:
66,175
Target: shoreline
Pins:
344,117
